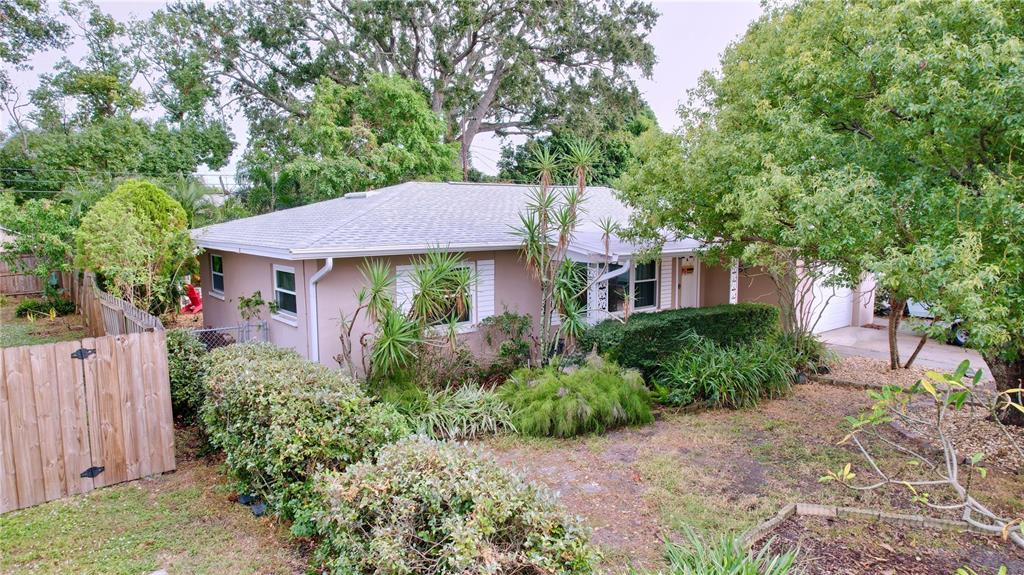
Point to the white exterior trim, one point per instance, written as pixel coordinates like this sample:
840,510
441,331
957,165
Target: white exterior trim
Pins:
285,316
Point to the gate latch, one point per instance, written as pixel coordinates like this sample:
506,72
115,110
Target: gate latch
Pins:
83,353
92,472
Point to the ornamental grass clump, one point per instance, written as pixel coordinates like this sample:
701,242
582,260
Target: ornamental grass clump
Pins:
593,398
726,376
280,419
428,507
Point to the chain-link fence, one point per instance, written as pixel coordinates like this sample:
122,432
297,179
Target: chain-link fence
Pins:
214,337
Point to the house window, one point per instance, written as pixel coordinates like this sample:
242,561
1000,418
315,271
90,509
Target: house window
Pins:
641,281
217,273
618,287
450,308
284,290
645,285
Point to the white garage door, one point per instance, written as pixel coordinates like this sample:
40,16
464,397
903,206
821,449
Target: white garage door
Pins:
832,307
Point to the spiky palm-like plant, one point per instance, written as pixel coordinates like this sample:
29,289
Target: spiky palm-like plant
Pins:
546,230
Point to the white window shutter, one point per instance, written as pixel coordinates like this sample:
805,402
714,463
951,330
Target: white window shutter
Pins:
484,289
404,288
666,277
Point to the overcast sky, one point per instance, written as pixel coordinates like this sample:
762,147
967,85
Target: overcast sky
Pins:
689,38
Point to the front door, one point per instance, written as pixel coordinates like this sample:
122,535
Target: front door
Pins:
688,284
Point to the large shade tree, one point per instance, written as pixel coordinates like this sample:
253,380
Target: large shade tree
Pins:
502,66
90,120
879,134
353,138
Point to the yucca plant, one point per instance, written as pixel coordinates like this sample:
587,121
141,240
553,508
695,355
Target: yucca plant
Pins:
546,230
395,343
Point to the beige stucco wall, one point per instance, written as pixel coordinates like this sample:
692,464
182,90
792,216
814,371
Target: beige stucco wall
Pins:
243,275
514,289
714,285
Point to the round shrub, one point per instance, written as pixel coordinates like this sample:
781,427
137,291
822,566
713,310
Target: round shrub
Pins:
186,362
280,419
438,508
589,399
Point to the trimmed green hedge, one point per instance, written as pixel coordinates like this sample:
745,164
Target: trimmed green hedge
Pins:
649,338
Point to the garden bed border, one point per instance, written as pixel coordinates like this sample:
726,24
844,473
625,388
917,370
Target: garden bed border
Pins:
839,512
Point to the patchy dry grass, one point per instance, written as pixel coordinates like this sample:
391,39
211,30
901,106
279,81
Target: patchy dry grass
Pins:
715,471
17,331
183,522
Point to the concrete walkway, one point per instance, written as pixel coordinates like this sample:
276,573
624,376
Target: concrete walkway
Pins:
874,343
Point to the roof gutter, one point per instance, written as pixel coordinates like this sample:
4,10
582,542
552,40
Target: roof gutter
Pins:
314,334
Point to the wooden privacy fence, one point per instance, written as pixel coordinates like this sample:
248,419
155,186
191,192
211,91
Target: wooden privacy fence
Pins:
79,415
105,314
14,282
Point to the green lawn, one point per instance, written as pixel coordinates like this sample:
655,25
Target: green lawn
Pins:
184,522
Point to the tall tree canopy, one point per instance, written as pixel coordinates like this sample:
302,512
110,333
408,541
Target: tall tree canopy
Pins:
90,120
353,138
504,66
615,141
878,134
26,27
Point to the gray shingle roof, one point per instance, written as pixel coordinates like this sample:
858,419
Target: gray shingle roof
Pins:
404,218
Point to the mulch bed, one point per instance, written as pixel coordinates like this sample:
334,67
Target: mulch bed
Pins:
849,547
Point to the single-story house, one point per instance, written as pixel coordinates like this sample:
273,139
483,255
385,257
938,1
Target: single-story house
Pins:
308,259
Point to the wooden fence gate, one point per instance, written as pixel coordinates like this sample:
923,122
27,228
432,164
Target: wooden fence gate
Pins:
79,415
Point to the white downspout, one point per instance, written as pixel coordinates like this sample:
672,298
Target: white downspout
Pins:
314,334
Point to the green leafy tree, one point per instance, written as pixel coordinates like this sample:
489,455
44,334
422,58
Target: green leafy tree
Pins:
615,145
83,127
512,66
847,134
44,230
359,137
136,239
26,27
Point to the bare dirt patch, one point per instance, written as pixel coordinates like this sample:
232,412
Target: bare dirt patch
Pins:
846,547
714,472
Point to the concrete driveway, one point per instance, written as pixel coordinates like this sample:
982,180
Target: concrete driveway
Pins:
874,343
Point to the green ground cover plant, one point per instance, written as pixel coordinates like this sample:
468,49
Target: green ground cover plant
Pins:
42,307
592,398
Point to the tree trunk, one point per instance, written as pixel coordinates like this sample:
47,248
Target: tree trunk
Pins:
1008,375
896,306
920,346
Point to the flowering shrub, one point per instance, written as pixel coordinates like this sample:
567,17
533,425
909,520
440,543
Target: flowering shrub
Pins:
438,508
280,419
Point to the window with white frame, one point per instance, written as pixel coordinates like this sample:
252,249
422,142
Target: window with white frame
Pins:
641,281
284,290
645,285
217,274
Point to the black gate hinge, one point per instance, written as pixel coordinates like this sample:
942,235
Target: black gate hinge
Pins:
83,353
92,472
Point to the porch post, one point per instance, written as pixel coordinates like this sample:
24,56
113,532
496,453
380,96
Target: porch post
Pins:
597,295
734,281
